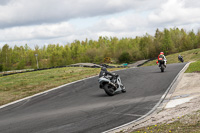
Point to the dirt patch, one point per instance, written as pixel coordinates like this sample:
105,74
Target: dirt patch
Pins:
197,72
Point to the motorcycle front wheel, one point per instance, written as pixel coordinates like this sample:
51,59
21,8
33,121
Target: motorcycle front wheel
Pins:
109,89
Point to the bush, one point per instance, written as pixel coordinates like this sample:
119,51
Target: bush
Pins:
124,57
21,65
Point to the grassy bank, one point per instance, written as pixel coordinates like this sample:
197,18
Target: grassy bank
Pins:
188,56
191,55
194,67
14,87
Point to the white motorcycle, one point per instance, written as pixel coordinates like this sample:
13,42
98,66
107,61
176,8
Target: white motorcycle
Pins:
111,85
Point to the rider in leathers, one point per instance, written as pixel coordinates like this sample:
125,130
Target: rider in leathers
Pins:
164,58
104,72
180,58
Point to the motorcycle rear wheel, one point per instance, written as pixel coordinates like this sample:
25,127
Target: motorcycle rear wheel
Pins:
162,68
109,89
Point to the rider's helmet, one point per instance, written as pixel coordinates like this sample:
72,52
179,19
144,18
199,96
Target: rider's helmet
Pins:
161,53
103,69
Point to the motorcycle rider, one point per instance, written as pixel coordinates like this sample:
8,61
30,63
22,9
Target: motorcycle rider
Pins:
180,58
161,55
104,72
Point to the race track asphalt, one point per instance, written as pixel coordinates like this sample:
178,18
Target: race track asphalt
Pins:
83,107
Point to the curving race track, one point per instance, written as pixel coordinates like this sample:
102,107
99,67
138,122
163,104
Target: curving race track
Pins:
83,107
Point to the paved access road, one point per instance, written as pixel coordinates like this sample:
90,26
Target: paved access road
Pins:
83,107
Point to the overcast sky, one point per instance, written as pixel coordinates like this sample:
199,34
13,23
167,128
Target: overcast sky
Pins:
44,22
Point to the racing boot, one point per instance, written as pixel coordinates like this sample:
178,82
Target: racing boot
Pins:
123,89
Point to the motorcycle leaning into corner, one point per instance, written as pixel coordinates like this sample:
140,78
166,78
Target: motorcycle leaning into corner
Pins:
111,84
180,58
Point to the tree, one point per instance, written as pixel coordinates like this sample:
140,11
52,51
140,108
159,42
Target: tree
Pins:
124,57
158,41
144,46
167,45
6,57
198,39
184,41
192,40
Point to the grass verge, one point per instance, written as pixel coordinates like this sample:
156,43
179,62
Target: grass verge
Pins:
14,87
194,67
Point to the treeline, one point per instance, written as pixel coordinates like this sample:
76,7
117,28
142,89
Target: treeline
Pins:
119,50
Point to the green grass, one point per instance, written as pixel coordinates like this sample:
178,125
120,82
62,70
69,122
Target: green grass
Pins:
185,124
194,67
17,86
